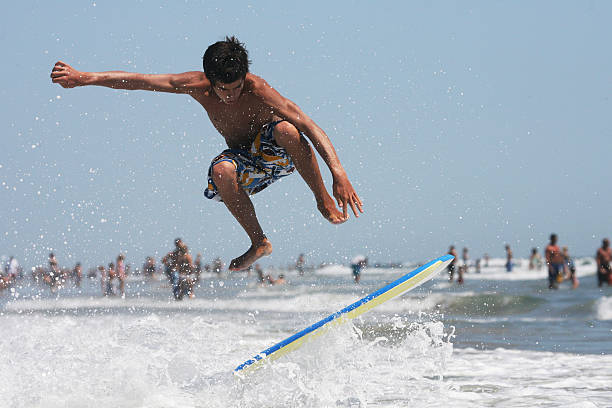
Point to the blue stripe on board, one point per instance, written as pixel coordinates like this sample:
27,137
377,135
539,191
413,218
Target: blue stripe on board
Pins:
347,309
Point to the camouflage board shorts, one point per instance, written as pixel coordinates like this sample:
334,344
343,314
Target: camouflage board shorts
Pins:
256,168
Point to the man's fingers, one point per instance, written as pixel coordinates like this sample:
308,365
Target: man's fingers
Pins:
344,209
352,202
358,203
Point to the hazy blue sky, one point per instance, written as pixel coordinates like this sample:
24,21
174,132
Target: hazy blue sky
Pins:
466,123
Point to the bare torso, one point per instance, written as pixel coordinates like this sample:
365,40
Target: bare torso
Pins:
554,255
604,256
240,121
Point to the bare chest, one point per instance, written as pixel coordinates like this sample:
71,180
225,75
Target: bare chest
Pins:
239,122
605,256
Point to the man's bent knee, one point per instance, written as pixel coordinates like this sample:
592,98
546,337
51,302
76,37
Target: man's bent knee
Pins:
286,134
224,172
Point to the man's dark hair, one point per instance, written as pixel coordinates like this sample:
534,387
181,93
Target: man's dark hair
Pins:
226,61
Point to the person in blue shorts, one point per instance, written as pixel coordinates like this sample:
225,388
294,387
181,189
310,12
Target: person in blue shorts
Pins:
266,133
554,261
509,263
357,266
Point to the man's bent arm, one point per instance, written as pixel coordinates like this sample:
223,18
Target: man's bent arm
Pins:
68,77
289,111
343,190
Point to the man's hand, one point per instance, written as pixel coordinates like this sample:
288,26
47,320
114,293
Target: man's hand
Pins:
66,76
345,194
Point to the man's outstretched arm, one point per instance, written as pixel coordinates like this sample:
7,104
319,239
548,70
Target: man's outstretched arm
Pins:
187,82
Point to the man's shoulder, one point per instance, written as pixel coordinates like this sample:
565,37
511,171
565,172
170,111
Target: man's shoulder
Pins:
257,85
253,79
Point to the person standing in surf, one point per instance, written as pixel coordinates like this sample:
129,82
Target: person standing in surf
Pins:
300,264
570,268
604,263
452,265
121,274
554,261
509,263
265,132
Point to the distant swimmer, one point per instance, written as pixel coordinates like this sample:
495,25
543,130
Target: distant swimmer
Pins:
197,267
53,276
188,277
357,266
509,263
179,269
103,278
121,274
280,280
554,261
570,268
266,134
604,263
453,264
10,272
111,274
149,267
217,266
464,265
535,260
268,279
300,264
77,274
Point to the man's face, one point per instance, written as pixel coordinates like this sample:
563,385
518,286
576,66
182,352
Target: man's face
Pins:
229,93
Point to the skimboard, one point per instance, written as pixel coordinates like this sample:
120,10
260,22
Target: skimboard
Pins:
407,282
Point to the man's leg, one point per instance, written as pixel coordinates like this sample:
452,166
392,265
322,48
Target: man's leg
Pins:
289,138
239,204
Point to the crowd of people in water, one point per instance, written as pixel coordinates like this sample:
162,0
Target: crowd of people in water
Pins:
178,266
559,263
183,272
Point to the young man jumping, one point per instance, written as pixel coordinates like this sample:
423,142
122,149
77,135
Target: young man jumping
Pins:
265,132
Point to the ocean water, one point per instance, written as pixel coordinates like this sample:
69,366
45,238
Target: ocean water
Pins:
502,339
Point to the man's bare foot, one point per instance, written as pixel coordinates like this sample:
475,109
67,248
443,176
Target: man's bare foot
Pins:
255,252
330,212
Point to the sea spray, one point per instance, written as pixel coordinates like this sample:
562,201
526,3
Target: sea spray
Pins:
344,367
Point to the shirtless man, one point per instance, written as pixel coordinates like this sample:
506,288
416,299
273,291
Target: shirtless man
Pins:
265,132
604,263
554,261
179,266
